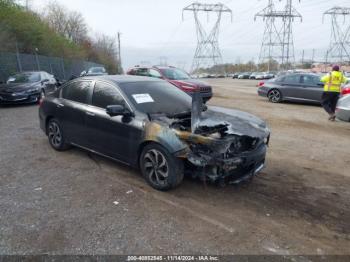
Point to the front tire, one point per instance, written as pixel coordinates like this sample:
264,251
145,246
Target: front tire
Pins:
56,136
161,170
275,96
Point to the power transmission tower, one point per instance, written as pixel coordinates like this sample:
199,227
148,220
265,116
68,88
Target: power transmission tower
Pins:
207,52
163,61
339,49
271,46
277,41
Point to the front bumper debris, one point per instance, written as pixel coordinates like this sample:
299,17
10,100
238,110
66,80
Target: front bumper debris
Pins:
231,170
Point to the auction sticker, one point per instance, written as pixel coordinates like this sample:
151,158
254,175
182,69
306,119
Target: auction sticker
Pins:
143,98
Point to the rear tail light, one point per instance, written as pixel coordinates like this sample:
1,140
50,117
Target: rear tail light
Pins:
346,91
260,84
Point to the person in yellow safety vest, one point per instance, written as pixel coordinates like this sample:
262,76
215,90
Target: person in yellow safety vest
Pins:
332,88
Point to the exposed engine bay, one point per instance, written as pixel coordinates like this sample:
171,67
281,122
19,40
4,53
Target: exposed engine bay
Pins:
220,147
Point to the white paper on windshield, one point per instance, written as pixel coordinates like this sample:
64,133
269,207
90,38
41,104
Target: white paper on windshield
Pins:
143,98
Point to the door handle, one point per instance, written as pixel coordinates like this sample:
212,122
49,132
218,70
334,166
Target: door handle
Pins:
90,113
60,105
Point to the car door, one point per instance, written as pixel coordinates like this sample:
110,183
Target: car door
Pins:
312,87
117,136
71,110
291,86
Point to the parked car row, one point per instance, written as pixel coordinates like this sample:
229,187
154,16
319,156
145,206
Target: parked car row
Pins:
254,75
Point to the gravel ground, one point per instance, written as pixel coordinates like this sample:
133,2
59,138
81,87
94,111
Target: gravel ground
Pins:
78,203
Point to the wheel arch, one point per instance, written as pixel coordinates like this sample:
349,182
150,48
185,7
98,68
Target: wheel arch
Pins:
172,148
47,120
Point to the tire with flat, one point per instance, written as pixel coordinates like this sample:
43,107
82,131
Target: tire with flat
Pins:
275,96
56,136
161,170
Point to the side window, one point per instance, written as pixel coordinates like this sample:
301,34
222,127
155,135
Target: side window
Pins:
154,73
292,79
105,95
310,79
77,91
141,72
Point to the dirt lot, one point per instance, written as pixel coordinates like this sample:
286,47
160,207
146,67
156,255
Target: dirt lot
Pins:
64,203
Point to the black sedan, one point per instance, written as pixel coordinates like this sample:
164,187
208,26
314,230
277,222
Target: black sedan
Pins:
26,87
293,87
150,124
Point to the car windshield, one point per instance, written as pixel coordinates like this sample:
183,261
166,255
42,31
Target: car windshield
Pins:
97,70
175,74
24,78
157,97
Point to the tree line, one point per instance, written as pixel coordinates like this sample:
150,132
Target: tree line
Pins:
56,31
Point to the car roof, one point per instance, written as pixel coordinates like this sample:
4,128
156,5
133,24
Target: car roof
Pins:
121,78
302,73
155,66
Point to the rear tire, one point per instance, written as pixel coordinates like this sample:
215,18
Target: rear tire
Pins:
56,135
161,170
274,96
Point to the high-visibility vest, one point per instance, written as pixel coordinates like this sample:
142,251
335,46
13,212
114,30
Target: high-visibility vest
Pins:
333,81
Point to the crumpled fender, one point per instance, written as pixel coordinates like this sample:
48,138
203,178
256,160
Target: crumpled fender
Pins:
163,135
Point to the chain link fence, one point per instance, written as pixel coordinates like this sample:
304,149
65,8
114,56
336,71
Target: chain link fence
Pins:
11,63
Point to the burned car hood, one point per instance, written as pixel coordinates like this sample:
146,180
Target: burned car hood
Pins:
16,87
237,122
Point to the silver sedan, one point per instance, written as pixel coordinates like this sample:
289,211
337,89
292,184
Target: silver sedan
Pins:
343,106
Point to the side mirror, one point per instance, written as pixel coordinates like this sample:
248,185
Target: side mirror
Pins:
118,110
83,73
44,81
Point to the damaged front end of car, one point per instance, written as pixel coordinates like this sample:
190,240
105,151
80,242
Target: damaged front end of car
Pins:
219,145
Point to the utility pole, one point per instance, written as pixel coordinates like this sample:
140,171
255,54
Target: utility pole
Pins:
207,53
313,56
163,61
302,57
120,69
339,48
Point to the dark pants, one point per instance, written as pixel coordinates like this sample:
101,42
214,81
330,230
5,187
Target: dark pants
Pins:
329,101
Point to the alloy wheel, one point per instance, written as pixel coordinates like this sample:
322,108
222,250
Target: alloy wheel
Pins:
55,135
156,167
274,96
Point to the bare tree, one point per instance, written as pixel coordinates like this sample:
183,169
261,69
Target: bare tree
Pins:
76,27
105,49
57,16
72,25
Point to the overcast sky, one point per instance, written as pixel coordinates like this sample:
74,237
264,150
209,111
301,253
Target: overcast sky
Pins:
154,28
